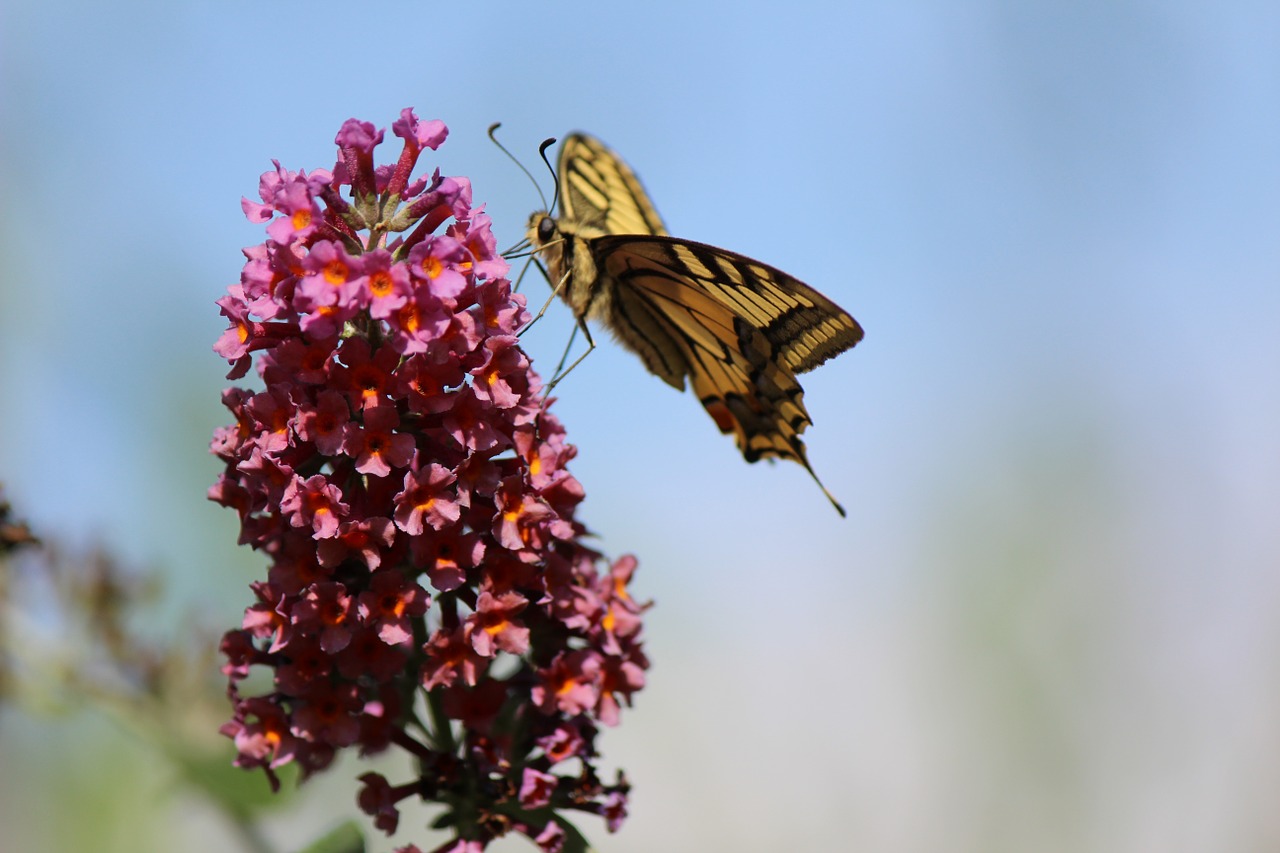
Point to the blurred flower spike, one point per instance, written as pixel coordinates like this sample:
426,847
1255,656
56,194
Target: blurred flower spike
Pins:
428,588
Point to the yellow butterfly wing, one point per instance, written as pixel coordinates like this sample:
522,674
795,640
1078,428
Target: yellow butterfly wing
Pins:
599,190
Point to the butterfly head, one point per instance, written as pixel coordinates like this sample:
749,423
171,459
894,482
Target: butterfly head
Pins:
542,228
548,242
545,234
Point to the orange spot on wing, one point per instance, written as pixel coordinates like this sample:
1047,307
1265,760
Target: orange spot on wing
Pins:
721,415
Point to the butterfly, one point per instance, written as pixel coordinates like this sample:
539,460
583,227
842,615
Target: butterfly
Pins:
737,329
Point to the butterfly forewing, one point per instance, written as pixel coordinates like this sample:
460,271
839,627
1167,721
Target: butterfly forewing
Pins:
804,327
737,329
601,191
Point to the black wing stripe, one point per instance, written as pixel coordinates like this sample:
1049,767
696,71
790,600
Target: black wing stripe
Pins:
747,303
697,325
650,336
586,188
805,327
806,337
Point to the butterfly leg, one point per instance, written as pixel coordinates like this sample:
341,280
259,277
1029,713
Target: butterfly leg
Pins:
564,356
559,375
515,288
554,292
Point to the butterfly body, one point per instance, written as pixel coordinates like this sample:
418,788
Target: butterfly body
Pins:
569,252
736,329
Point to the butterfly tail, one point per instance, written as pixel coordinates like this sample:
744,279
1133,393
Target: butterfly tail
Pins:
803,460
767,420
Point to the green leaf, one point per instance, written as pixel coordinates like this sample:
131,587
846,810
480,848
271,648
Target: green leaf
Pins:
346,838
574,841
242,792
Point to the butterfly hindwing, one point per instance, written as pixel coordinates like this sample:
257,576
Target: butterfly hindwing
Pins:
681,325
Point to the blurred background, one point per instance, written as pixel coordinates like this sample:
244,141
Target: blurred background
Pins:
1051,621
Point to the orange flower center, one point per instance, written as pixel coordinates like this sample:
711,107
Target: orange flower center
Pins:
380,284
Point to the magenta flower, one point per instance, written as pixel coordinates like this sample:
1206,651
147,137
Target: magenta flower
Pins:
451,657
571,684
332,276
427,587
376,445
326,611
388,283
324,422
367,539
435,263
429,498
379,799
314,503
390,605
552,838
495,627
537,788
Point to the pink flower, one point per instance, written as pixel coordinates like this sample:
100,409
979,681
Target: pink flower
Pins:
314,503
378,799
327,611
427,499
451,656
435,263
537,788
389,284
494,625
369,538
570,684
390,605
324,422
552,838
375,444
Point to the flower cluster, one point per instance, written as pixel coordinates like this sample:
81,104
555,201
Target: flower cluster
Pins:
428,584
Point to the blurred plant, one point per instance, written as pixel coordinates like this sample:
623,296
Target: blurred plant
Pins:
14,535
71,640
428,586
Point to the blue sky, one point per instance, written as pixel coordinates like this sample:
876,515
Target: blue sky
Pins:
1059,443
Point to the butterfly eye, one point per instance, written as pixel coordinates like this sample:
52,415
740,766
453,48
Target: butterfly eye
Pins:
546,229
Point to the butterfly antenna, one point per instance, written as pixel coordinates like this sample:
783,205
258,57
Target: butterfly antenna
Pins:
493,137
542,150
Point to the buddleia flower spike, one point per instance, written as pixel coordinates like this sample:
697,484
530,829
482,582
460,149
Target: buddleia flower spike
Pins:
429,588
